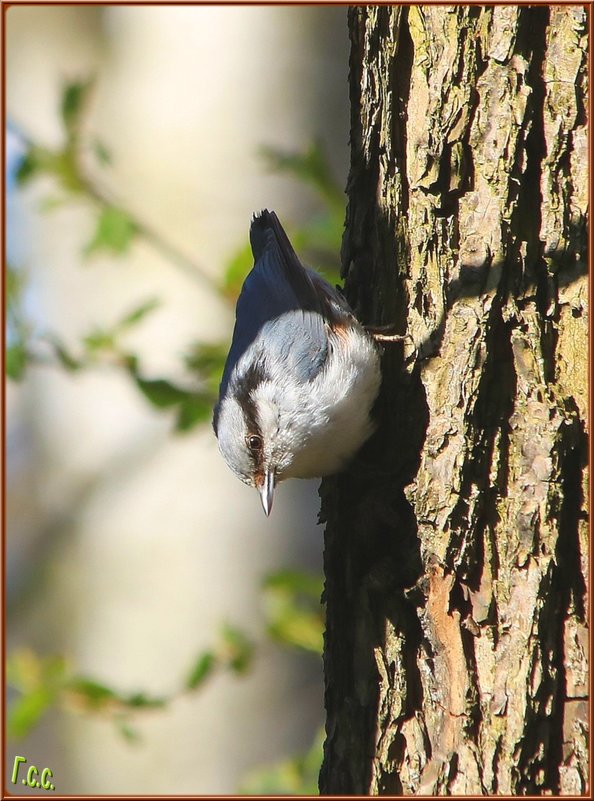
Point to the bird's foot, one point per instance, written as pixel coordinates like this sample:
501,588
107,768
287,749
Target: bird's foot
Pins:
381,333
389,337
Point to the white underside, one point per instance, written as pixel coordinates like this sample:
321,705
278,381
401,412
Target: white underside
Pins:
313,429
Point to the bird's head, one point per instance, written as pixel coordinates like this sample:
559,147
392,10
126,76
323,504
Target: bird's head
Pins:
257,427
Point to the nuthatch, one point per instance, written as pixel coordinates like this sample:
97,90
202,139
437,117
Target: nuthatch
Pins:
301,375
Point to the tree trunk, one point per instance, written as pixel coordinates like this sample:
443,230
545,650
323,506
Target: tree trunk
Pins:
455,546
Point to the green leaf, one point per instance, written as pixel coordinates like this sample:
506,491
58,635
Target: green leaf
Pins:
192,407
298,629
293,582
99,339
322,237
60,164
238,649
296,776
25,670
18,329
45,682
26,711
66,359
195,408
293,610
207,361
39,681
237,269
101,152
203,668
311,167
207,358
38,160
29,167
114,232
64,166
16,361
15,282
95,696
128,732
139,313
159,392
74,96
143,701
92,693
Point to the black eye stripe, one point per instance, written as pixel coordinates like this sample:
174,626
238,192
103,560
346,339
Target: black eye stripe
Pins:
244,393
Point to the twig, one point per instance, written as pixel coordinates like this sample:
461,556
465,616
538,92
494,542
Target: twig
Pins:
153,237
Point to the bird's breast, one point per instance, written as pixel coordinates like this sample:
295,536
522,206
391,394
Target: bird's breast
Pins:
335,414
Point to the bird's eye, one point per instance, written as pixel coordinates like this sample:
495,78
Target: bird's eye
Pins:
254,442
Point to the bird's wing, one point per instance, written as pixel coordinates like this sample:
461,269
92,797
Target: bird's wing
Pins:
277,284
300,287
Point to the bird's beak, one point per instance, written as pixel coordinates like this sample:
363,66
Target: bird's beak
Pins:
267,491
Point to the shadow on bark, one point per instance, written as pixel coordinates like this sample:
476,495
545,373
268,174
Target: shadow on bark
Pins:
375,578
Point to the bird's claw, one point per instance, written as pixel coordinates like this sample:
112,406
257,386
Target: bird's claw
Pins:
390,337
381,334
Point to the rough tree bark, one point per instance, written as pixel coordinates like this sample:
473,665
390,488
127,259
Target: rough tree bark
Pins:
455,546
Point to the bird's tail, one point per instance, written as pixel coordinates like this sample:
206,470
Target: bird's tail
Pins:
265,226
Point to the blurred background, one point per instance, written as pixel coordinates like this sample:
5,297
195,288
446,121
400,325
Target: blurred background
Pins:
163,636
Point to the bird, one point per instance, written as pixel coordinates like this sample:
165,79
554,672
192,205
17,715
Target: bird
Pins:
301,376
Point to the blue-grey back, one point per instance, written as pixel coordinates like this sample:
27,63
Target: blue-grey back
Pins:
292,302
